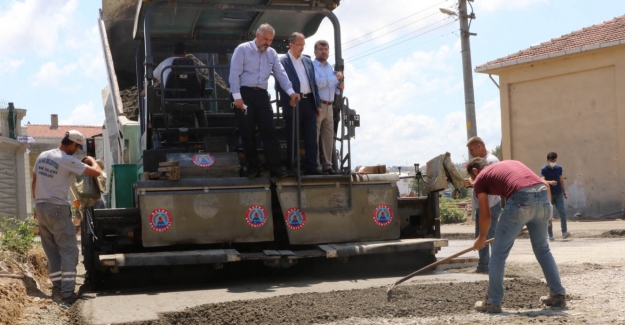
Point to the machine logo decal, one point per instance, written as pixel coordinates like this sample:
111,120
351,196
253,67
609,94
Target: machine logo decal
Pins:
295,219
160,220
256,216
382,215
203,160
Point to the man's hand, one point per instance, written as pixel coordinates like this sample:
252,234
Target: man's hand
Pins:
468,183
294,97
239,104
339,75
89,161
480,242
318,111
566,196
35,215
341,85
552,183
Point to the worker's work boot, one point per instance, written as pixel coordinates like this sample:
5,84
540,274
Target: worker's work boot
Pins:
486,307
70,299
553,301
56,294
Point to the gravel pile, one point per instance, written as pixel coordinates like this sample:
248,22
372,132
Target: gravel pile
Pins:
431,300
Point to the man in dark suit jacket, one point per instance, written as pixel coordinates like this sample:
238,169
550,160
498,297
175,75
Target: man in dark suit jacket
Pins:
301,73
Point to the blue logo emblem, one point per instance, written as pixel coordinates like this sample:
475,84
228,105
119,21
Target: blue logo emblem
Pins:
256,216
204,160
160,220
295,219
382,215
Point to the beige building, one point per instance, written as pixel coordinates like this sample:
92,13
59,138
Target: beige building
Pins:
568,95
15,196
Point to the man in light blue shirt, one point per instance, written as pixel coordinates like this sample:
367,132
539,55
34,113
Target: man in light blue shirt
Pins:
252,63
329,84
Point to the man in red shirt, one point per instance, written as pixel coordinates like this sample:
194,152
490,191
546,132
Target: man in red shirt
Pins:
528,204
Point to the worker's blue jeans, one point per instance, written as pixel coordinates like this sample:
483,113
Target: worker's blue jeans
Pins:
558,202
484,253
529,206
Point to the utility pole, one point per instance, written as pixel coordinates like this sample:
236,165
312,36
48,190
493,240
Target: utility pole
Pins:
467,70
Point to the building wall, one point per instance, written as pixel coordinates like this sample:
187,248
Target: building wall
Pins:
571,105
15,196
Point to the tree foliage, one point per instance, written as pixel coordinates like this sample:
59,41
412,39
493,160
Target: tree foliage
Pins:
450,213
497,152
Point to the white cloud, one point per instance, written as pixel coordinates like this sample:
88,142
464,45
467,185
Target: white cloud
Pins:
405,113
10,66
86,61
84,114
367,26
494,5
34,25
50,74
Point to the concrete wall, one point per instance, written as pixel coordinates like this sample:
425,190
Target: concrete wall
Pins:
4,121
573,105
15,193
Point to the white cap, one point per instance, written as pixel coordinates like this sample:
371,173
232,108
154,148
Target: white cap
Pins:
76,137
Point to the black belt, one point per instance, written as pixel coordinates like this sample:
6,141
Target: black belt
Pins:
253,88
306,95
325,102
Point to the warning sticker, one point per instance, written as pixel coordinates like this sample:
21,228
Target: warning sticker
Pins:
295,219
160,220
382,215
256,216
203,160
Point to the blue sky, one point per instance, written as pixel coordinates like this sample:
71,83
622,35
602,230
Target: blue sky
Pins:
410,96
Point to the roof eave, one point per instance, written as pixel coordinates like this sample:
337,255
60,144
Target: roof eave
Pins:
491,68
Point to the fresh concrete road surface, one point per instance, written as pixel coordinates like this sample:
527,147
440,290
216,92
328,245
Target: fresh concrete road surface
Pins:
127,307
120,307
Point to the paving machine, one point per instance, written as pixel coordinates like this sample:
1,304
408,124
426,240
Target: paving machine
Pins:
176,195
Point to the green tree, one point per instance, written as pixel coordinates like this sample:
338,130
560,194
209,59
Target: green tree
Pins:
418,187
450,213
497,152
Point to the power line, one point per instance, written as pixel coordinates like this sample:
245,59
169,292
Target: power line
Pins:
382,49
410,48
403,36
394,30
431,30
395,22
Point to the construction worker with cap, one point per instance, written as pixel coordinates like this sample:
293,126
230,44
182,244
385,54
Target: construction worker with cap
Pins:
54,172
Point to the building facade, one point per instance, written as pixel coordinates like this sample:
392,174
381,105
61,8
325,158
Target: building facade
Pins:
566,95
15,193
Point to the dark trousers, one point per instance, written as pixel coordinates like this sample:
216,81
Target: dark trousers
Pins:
259,114
308,123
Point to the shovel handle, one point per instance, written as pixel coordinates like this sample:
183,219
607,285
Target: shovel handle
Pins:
437,263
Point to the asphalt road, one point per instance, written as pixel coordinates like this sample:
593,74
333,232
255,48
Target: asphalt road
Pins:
139,305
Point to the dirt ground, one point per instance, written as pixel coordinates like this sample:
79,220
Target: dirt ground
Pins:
594,294
22,303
